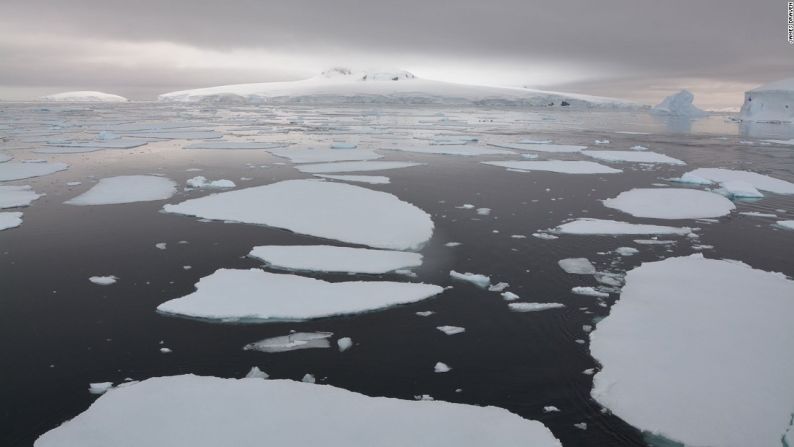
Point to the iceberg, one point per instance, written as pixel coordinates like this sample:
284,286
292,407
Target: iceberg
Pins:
13,170
772,102
84,96
254,295
633,157
126,189
16,196
588,226
328,258
671,203
196,411
679,104
562,167
318,208
729,386
292,342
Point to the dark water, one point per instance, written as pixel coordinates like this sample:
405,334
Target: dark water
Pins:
59,332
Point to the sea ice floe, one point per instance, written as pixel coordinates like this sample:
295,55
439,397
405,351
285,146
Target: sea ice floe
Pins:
103,280
194,411
463,150
309,155
671,203
5,157
371,179
587,226
354,166
318,208
474,278
626,251
559,166
202,182
633,157
344,344
257,296
77,147
16,196
759,181
787,224
757,214
589,291
441,367
292,342
509,296
451,330
533,307
10,220
247,145
328,258
577,266
730,386
178,134
738,189
560,148
13,170
126,189
99,387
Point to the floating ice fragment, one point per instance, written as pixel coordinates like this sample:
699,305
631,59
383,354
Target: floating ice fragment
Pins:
558,166
577,266
344,344
587,226
103,280
371,179
10,220
126,189
441,368
256,373
633,156
201,182
533,307
13,170
100,387
354,166
671,203
291,342
474,278
309,378
16,196
327,258
589,291
451,330
626,251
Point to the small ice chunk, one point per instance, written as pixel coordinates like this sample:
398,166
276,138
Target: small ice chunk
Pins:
202,182
587,226
309,378
441,368
425,313
103,280
589,291
478,280
292,342
126,189
550,409
100,387
498,287
509,296
626,251
483,211
787,224
165,350
10,220
451,330
577,266
256,373
344,344
161,245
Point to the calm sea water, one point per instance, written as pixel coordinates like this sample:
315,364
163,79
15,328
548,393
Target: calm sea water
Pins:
59,332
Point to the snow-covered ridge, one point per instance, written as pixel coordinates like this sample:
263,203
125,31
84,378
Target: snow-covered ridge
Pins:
772,102
84,96
342,85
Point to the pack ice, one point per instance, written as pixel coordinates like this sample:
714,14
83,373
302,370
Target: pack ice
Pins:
328,258
318,208
699,351
195,411
258,296
671,203
126,189
706,176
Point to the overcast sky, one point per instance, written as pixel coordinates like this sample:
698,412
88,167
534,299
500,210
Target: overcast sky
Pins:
634,49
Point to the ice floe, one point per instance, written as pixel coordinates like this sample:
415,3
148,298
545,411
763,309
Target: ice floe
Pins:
310,155
451,330
103,280
329,210
533,307
738,189
729,386
371,179
354,166
126,189
195,411
16,196
633,157
10,220
787,224
559,166
474,278
589,291
13,170
463,150
328,258
200,181
223,144
557,148
255,295
671,203
626,251
759,181
344,344
292,342
256,373
577,266
441,368
587,226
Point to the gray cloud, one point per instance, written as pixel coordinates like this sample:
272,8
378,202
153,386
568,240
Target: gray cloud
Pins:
725,40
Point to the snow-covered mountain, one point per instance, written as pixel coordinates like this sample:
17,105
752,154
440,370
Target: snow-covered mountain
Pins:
342,85
84,96
772,102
